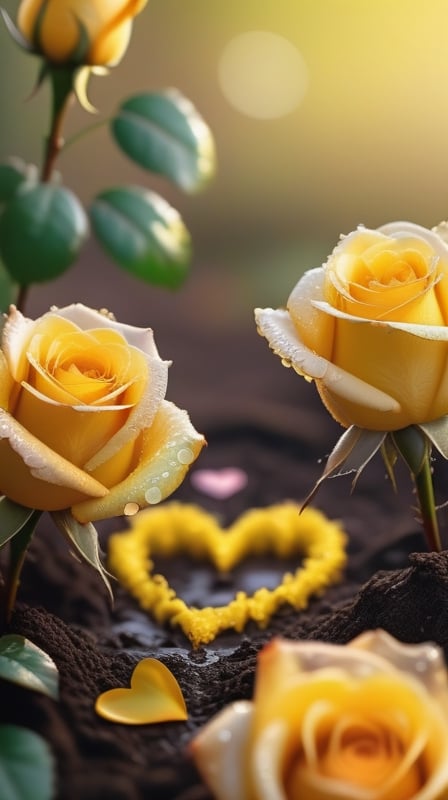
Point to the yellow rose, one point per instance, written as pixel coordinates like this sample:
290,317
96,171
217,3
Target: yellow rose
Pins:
92,32
364,721
370,328
83,419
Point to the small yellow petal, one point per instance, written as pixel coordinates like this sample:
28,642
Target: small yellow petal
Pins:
154,696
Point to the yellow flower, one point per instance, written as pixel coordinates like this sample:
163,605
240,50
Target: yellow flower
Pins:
364,721
83,419
91,32
370,328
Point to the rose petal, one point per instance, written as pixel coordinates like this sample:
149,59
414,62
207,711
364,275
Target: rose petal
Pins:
16,334
434,332
219,751
167,449
32,474
279,330
403,229
141,416
86,318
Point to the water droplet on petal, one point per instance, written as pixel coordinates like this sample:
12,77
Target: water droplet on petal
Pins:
130,509
153,495
185,456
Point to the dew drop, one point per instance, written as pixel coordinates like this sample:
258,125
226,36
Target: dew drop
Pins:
185,456
153,495
165,474
130,509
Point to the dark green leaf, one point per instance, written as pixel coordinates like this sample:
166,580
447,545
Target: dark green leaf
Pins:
24,663
165,134
26,765
18,546
13,174
41,232
13,517
143,233
8,289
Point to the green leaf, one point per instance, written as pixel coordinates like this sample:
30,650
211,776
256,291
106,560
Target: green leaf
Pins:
164,133
8,289
24,663
143,234
13,175
18,546
26,765
13,518
84,537
41,232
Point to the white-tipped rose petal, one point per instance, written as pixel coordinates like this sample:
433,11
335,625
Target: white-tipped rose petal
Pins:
268,762
277,327
400,230
432,332
15,336
219,751
51,481
87,318
166,451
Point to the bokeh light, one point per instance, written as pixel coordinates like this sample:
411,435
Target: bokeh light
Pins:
262,74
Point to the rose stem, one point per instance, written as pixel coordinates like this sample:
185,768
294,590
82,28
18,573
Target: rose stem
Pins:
62,96
415,448
425,494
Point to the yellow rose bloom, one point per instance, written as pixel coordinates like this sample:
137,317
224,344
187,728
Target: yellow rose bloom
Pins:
370,327
83,418
57,28
364,721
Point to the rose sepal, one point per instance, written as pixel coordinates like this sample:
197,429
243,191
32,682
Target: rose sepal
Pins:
84,537
351,453
15,33
357,446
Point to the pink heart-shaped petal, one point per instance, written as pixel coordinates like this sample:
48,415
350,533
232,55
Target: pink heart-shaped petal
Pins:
219,483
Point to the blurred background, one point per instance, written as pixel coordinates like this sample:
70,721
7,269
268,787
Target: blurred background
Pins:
326,114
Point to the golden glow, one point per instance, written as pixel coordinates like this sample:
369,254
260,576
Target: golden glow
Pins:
262,74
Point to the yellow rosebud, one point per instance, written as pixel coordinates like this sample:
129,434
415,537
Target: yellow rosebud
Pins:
83,419
90,32
333,722
370,327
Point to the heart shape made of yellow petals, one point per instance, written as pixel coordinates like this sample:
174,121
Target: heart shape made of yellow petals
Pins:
154,696
280,530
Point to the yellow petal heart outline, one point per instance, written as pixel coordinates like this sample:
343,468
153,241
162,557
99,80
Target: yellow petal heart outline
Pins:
176,527
154,696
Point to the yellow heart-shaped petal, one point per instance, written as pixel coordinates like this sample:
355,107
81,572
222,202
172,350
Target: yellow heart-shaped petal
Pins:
154,696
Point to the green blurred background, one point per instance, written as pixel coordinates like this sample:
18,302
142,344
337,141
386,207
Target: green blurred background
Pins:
362,137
